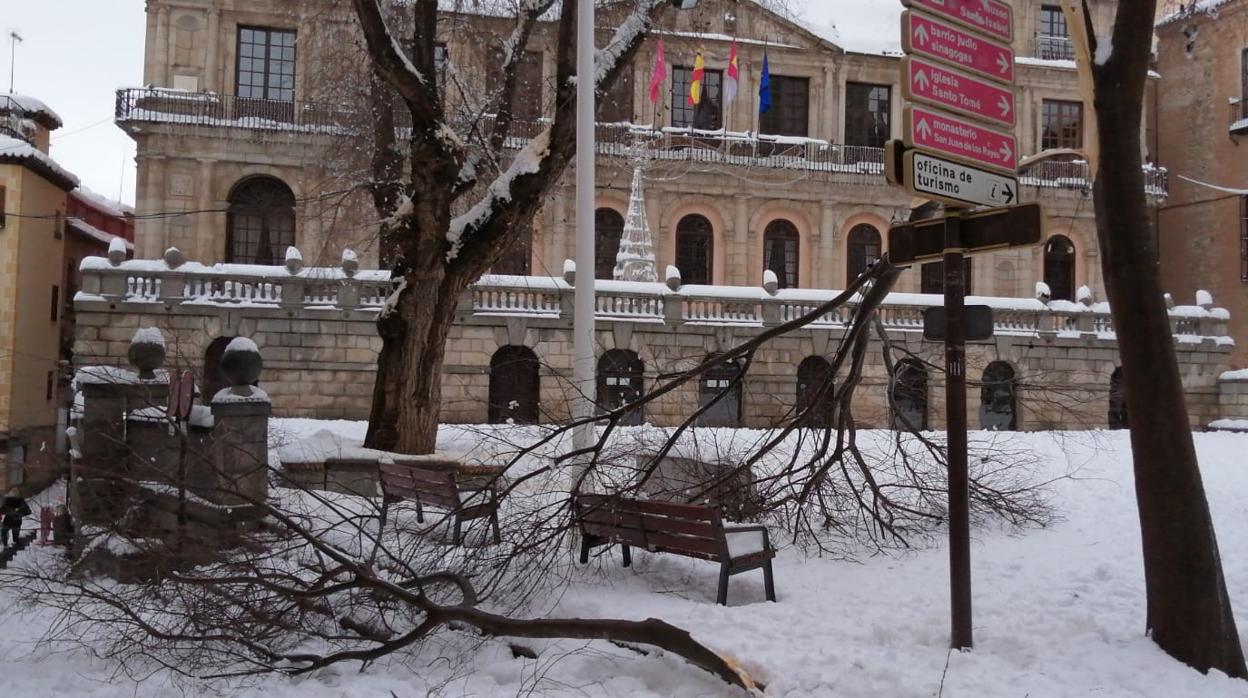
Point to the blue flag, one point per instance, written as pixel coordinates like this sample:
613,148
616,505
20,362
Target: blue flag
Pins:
764,88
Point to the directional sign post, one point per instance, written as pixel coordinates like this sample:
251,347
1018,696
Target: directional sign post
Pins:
982,231
954,183
922,35
960,139
992,18
931,83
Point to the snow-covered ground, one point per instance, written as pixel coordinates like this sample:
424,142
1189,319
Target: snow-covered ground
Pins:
1059,611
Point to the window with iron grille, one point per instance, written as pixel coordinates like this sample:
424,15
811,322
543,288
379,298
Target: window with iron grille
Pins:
694,247
780,247
867,114
1061,124
260,222
1053,22
616,103
527,104
266,64
707,115
517,257
1059,268
862,249
1243,238
790,107
608,229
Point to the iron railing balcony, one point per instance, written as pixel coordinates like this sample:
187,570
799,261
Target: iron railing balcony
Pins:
1051,47
809,158
1239,117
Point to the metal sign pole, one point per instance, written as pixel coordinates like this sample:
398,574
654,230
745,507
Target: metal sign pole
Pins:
955,411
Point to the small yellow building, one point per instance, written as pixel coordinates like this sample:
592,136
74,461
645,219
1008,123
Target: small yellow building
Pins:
33,190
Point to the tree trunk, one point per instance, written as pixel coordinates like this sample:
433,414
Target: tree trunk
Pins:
407,394
1189,612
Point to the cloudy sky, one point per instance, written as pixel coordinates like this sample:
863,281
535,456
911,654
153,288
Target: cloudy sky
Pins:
75,53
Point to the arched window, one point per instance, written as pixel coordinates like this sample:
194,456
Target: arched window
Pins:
727,411
910,395
517,256
780,246
213,381
862,249
694,249
1059,268
998,398
260,222
620,383
515,386
608,228
814,391
1117,401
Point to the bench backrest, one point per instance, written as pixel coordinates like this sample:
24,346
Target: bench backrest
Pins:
436,487
695,530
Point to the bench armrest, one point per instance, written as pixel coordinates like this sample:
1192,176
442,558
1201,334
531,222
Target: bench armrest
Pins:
746,540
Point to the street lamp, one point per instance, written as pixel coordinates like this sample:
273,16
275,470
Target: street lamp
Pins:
583,296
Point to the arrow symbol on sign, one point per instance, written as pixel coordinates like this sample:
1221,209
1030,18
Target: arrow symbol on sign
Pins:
1004,105
923,129
1005,151
1009,194
920,35
1002,64
920,79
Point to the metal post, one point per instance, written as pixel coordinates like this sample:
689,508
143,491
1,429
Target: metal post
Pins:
583,298
955,413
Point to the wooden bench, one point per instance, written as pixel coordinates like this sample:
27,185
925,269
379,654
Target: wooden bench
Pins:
692,530
441,488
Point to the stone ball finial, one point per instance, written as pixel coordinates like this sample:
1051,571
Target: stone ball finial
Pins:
1084,295
672,277
350,262
174,258
569,272
1204,299
771,283
1043,292
241,364
116,251
294,259
1169,300
147,352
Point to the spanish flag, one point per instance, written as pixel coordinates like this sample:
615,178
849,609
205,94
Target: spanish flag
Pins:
695,85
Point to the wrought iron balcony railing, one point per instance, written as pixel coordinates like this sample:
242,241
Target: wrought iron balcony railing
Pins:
1052,48
1239,117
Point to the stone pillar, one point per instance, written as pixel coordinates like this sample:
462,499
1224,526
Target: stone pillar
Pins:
212,80
240,438
825,269
742,249
152,233
209,227
161,59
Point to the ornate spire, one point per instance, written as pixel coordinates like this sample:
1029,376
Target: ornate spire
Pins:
635,260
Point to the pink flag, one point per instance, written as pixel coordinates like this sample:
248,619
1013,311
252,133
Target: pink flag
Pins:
659,75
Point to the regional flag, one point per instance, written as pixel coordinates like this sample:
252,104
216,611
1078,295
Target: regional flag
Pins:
659,74
764,87
733,75
695,83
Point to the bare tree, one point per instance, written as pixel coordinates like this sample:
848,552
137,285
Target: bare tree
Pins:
1189,611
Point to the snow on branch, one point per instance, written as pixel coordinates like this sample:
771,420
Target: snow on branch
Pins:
528,161
630,31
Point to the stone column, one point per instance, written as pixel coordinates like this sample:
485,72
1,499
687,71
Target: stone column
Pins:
742,249
209,228
161,57
825,270
152,233
212,81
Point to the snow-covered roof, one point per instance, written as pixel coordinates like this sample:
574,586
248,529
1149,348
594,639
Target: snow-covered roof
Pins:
82,227
102,203
1197,7
13,150
32,107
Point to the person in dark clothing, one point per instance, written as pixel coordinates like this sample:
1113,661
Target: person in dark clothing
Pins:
12,511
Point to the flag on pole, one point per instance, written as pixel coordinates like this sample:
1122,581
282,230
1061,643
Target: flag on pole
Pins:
659,74
695,83
733,75
764,87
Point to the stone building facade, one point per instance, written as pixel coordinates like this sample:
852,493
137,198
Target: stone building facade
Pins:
1202,55
806,196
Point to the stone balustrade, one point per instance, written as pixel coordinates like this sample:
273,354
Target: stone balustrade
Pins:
310,291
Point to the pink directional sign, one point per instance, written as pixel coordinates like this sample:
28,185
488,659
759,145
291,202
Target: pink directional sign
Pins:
938,133
929,82
928,36
990,17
